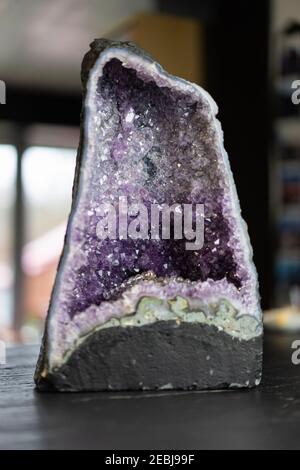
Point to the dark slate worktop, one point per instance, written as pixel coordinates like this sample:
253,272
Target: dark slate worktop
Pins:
268,417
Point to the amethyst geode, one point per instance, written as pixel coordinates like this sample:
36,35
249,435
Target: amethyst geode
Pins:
148,312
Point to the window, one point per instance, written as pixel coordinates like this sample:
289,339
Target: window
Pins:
40,186
47,183
8,165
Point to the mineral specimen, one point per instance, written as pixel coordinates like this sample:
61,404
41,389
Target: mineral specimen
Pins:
137,305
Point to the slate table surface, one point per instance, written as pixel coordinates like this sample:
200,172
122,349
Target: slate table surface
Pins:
265,418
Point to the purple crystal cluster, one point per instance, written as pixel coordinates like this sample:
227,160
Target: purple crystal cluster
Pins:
153,139
161,150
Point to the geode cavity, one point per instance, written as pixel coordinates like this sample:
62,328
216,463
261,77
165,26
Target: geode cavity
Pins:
145,311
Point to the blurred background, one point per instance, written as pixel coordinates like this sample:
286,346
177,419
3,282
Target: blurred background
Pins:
245,53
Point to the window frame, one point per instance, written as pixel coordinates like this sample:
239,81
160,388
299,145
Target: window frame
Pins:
23,137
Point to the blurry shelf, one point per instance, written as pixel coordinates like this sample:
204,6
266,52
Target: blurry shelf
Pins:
288,130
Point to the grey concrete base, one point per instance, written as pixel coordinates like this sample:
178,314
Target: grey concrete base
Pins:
163,355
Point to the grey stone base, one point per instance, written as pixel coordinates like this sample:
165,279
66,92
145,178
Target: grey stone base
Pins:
163,355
